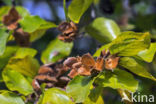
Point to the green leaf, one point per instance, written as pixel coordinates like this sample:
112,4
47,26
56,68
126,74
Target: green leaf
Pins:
37,34
3,11
98,101
148,54
16,81
23,52
65,10
10,98
3,40
136,66
33,23
47,25
79,88
41,31
55,96
9,52
27,66
55,51
129,43
95,97
77,8
103,29
22,11
119,79
36,26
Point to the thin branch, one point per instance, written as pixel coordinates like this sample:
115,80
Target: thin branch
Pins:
65,10
13,3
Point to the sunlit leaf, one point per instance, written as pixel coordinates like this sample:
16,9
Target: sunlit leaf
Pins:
55,96
22,11
3,11
129,43
9,52
35,26
55,51
37,34
79,88
3,40
95,97
148,54
41,31
32,23
119,79
28,65
136,66
23,52
103,29
10,98
16,81
77,8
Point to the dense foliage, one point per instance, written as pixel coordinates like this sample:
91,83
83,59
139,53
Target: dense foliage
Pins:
62,78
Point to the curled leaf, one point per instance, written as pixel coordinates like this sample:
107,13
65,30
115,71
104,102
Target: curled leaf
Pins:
69,31
111,62
73,73
70,61
99,63
88,60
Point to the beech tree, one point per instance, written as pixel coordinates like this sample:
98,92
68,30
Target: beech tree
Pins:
59,77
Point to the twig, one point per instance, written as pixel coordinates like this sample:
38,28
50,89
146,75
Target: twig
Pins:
13,3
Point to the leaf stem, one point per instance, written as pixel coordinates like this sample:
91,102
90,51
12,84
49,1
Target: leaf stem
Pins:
65,10
13,3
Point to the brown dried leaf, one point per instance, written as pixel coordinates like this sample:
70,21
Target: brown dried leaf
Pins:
45,70
105,53
67,28
73,26
36,85
99,64
65,38
11,19
22,38
70,61
79,59
63,81
63,26
45,78
77,65
49,85
88,60
73,73
84,70
111,62
69,31
60,70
